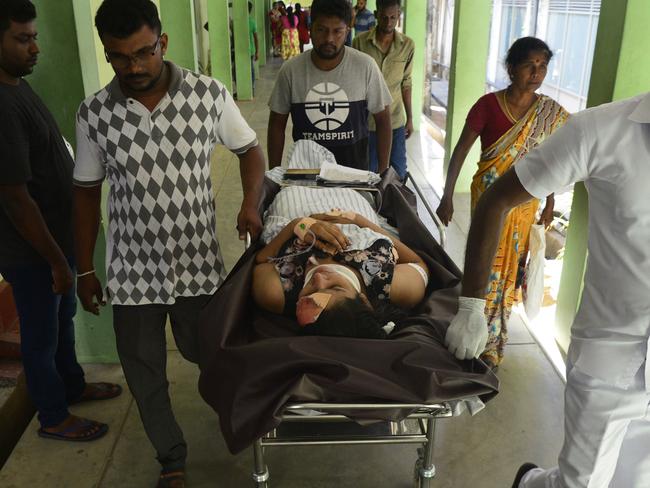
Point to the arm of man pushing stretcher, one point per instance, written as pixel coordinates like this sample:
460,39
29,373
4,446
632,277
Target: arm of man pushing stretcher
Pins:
467,333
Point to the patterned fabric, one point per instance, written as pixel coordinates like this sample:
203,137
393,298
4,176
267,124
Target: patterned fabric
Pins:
290,43
376,265
161,241
298,201
543,118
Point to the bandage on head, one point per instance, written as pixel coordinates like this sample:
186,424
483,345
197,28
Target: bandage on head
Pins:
302,227
309,307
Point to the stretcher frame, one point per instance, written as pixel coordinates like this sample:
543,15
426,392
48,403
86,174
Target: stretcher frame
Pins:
424,414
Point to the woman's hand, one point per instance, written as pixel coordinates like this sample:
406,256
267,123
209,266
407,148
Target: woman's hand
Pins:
337,216
329,237
445,210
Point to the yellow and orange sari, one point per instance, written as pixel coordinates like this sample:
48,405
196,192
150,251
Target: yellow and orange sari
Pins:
544,117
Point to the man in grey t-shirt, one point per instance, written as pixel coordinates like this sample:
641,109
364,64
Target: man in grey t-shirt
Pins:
329,92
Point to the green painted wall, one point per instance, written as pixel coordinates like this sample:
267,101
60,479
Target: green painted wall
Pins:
64,76
467,77
177,18
219,35
61,89
242,50
617,73
97,72
415,26
260,18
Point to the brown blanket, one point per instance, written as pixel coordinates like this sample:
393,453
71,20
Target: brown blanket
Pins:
253,362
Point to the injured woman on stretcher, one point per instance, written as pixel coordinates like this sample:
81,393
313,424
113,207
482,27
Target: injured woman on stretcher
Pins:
329,263
349,307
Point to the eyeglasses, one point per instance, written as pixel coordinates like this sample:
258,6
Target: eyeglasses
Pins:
122,61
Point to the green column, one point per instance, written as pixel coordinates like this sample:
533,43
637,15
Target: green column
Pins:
60,88
219,25
260,19
242,50
467,76
97,72
415,26
69,69
177,18
616,73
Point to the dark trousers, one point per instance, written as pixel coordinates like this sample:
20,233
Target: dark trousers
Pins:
53,374
141,345
397,151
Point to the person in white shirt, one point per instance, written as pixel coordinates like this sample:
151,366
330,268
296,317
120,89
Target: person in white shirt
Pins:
150,134
607,432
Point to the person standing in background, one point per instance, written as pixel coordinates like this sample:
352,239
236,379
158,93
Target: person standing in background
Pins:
362,19
393,52
330,91
290,38
510,123
303,26
36,243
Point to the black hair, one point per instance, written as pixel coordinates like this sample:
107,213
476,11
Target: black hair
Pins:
122,18
521,49
298,8
250,7
382,4
20,11
290,16
354,317
331,8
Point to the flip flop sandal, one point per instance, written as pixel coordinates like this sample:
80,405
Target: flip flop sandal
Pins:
99,391
76,428
167,480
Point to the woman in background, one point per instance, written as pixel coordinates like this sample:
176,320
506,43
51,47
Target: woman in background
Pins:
303,26
510,123
276,27
290,40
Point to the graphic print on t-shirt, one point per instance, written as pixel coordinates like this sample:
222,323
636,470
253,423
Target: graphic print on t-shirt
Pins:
327,106
329,117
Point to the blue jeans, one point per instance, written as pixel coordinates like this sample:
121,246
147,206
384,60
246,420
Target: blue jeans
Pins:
53,374
397,151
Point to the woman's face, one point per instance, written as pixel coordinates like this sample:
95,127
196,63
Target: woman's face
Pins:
326,280
530,73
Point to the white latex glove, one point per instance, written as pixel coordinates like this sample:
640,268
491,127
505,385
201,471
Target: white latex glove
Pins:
467,333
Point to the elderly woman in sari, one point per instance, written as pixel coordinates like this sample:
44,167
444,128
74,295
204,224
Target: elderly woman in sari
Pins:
337,271
510,123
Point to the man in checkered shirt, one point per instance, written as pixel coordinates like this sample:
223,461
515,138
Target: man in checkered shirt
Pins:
150,133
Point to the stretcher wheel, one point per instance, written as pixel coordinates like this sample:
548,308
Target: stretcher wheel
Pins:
422,478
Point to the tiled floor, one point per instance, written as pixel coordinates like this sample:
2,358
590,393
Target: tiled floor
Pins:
523,423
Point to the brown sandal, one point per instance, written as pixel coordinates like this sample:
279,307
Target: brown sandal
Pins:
81,430
98,391
173,479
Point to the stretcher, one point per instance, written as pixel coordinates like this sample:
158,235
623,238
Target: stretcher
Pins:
258,373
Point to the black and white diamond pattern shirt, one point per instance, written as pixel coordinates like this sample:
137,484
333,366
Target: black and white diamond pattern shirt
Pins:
161,241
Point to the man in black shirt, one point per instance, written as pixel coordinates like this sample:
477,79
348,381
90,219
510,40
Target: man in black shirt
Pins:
36,244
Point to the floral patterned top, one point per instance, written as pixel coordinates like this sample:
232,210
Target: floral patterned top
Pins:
376,265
